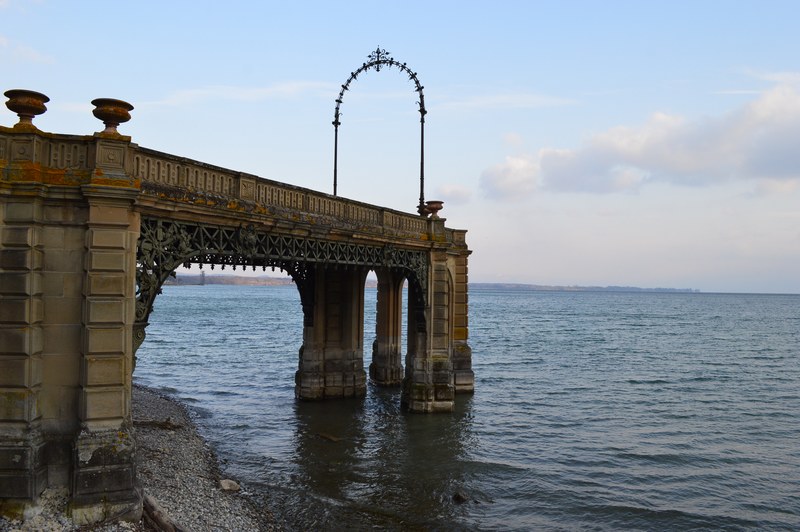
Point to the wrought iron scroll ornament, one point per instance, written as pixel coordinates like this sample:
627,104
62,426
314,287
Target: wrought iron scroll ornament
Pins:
376,61
164,245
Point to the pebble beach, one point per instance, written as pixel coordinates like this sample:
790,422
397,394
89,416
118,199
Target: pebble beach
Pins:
179,475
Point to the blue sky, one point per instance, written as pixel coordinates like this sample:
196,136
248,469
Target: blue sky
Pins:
588,143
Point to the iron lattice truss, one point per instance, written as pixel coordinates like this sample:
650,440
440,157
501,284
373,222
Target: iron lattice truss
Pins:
164,245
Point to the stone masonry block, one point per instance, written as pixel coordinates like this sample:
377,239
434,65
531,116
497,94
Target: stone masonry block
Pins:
105,371
104,481
14,404
105,340
53,237
64,213
106,311
35,374
16,283
103,403
109,215
73,284
21,212
20,340
111,261
16,310
20,259
17,236
56,260
62,310
75,238
105,284
53,284
14,371
62,368
439,341
15,458
100,238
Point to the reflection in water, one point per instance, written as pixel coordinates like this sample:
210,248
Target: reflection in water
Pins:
367,463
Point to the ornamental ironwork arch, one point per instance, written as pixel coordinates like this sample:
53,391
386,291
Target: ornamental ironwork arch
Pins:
376,61
164,245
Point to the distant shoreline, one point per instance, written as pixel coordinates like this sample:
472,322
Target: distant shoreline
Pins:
266,280
549,288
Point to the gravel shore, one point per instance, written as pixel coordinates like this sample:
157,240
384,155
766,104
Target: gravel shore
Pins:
178,473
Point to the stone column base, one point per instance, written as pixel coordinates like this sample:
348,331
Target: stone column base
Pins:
464,380
104,477
428,387
386,375
23,477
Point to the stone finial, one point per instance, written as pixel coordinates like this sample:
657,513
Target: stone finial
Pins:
433,207
112,112
26,104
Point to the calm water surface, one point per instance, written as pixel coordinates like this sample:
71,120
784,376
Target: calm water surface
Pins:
595,411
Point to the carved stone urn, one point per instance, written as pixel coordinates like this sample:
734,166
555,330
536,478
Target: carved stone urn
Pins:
112,112
433,207
26,104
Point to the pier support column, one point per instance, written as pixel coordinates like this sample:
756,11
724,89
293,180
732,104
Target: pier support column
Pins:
428,384
104,461
23,473
386,368
332,356
464,377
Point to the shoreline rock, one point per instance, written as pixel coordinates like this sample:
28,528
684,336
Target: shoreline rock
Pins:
179,475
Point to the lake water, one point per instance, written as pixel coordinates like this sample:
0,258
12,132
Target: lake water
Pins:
594,411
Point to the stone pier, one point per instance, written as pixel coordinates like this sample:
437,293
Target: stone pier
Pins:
90,228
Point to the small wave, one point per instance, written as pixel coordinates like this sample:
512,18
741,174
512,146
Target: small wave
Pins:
628,517
223,393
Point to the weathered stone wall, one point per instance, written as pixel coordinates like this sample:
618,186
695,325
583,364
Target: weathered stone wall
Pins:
68,234
22,445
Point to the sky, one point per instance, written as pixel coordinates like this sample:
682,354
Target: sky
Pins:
651,144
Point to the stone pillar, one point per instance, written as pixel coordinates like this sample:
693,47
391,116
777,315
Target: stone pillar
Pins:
462,352
104,474
439,360
332,356
23,473
418,390
386,368
441,332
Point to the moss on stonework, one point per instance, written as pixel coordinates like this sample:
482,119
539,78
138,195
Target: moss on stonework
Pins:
13,508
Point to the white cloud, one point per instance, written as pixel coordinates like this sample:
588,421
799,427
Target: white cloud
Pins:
515,178
20,53
757,142
454,194
777,78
